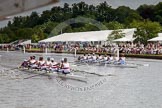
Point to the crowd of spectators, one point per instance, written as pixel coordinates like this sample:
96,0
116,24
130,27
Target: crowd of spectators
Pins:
150,48
128,48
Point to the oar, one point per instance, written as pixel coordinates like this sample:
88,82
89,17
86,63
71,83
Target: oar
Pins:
88,72
140,64
35,75
143,65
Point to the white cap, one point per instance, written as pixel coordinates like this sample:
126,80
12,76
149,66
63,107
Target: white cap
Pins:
52,59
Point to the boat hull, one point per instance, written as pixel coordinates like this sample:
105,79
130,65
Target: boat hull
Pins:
56,74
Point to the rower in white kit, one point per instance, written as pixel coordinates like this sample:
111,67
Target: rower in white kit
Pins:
121,60
99,58
54,65
47,64
65,67
89,58
109,59
84,58
115,60
33,63
105,58
94,58
40,63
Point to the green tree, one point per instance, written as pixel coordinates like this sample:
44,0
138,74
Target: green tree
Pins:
146,11
114,25
116,34
145,30
24,33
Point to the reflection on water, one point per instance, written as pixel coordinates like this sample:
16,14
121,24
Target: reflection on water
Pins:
129,88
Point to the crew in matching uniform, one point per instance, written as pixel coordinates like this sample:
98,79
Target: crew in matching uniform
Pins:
41,63
65,67
94,58
121,60
54,65
33,62
100,58
47,64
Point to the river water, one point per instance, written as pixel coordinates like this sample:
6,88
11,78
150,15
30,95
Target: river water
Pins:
123,87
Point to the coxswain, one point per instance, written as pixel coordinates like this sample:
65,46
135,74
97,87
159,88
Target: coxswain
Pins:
25,63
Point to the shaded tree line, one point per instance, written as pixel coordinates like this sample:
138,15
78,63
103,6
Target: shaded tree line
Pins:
147,19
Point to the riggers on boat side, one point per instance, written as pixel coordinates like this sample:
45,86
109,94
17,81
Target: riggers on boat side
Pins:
57,74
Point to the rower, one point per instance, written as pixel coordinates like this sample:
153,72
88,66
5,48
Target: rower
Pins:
121,61
65,67
41,63
105,58
122,56
89,58
79,58
47,64
99,58
116,60
85,58
33,62
109,59
26,62
94,58
54,65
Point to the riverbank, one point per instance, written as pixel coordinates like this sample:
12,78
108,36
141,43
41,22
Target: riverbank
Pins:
146,56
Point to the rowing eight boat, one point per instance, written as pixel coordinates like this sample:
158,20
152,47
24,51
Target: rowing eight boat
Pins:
57,74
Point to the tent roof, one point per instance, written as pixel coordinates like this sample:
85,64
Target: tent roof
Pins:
159,38
124,39
156,39
84,36
25,42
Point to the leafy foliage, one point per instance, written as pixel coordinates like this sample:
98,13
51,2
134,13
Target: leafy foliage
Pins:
147,19
116,34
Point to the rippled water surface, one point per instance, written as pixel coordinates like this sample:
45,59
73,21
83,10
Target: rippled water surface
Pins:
123,87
